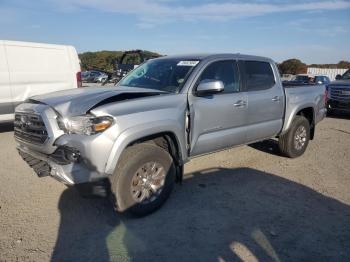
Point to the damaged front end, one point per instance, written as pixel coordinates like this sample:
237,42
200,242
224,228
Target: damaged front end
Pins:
59,136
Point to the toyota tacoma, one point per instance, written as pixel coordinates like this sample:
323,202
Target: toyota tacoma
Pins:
133,139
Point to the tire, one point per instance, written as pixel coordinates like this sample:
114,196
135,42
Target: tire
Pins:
129,169
288,142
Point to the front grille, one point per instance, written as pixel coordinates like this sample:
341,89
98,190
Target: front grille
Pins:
30,128
340,93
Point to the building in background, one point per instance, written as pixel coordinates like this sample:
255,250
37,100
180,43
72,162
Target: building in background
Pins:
330,72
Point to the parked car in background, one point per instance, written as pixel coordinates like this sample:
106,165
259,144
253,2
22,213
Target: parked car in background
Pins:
134,139
287,77
102,77
305,79
321,80
84,76
338,97
297,80
94,76
300,79
28,69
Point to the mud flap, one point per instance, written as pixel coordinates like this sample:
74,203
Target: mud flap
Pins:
179,173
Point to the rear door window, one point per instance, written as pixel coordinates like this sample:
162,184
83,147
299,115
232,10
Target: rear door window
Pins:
258,75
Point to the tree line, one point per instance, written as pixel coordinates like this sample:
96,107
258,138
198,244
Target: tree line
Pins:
106,60
295,66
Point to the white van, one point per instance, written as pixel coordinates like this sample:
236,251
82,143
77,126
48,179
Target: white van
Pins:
28,69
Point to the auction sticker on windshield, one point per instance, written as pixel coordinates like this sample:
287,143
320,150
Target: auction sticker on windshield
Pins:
187,63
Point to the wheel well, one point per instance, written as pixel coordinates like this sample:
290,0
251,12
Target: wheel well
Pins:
168,142
308,113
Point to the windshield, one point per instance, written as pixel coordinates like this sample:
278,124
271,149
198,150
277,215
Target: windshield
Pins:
346,75
162,74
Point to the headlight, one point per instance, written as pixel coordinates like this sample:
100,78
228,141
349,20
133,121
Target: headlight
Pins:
85,125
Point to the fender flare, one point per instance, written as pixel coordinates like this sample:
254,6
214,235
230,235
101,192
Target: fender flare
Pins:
293,113
140,131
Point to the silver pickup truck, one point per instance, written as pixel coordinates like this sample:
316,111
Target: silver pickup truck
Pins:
132,141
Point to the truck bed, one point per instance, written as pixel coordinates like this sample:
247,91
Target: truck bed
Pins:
301,95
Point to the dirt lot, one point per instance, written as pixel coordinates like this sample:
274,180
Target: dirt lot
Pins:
245,203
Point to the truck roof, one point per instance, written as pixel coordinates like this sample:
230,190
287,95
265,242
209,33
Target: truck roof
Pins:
216,55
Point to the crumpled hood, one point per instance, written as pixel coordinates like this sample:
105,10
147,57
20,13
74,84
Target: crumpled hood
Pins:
80,100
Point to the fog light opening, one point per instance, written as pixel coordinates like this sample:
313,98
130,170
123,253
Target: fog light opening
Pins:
72,154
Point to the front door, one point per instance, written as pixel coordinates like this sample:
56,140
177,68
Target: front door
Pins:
218,120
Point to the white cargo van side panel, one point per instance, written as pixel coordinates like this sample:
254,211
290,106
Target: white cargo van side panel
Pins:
37,69
6,106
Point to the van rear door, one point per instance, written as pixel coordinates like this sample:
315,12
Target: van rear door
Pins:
6,105
75,63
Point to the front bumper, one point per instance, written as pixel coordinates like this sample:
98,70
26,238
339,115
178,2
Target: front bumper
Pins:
69,173
338,105
48,158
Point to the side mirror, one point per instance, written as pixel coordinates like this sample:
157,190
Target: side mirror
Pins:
338,77
207,87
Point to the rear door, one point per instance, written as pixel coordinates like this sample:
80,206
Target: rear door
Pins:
265,99
218,120
6,106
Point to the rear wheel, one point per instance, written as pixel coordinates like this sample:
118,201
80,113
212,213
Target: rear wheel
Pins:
295,141
143,179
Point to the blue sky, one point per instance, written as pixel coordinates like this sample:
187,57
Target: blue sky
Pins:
315,31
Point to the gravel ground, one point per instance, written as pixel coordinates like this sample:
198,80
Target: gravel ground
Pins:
245,203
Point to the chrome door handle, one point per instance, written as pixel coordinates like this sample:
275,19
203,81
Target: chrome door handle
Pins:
276,99
240,103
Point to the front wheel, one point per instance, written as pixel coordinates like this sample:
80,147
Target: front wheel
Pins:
143,179
294,143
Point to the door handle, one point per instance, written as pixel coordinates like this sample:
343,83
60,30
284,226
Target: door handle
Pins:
276,99
240,103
